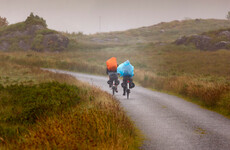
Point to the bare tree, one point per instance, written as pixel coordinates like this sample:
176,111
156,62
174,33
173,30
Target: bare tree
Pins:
3,22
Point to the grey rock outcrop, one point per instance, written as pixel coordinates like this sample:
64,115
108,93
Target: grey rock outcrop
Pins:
26,39
55,42
217,40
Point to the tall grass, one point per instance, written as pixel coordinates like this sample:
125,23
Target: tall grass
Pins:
95,126
213,95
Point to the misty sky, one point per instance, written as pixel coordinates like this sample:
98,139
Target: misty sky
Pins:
84,15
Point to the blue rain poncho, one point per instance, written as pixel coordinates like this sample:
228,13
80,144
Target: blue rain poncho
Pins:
125,69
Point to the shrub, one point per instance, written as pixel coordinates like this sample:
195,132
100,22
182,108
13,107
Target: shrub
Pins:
37,43
42,99
35,20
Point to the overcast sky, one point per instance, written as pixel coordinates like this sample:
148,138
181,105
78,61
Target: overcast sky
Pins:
85,15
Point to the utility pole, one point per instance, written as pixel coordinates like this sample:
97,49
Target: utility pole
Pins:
99,23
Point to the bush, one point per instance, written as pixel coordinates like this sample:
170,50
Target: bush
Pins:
35,20
37,43
42,99
23,105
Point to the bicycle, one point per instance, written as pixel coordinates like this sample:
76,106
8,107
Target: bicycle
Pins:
127,87
114,87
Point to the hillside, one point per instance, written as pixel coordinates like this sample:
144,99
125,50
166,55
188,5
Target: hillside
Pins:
162,32
32,34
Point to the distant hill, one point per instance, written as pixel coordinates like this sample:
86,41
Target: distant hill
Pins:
162,32
32,34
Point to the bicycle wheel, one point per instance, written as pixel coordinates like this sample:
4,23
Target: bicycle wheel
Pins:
113,90
127,92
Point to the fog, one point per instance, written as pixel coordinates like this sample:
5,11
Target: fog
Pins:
91,16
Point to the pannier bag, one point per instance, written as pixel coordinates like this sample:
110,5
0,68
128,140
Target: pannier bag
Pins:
112,64
125,69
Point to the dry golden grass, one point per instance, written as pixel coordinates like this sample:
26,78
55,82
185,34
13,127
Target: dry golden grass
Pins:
213,94
95,126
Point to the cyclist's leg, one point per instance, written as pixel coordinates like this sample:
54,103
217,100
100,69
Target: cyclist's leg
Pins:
132,85
124,85
124,88
116,83
110,82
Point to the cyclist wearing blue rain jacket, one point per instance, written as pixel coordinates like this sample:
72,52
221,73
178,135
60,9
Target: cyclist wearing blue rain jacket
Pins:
126,70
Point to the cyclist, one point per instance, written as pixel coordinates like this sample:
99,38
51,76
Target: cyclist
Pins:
111,70
126,70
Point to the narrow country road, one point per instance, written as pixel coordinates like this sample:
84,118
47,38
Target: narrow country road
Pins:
169,122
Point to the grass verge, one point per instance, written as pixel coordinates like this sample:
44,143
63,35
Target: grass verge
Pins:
44,110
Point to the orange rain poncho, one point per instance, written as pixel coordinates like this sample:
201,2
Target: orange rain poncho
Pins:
112,64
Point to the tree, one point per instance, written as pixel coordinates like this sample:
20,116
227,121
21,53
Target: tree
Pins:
228,15
35,20
3,22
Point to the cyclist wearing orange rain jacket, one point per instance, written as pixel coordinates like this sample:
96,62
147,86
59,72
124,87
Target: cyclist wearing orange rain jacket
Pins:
111,70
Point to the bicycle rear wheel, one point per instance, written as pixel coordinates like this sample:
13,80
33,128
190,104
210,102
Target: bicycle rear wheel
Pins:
127,93
113,90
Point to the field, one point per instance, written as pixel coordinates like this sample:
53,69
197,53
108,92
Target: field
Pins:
43,110
200,76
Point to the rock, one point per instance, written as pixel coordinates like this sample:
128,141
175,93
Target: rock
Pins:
201,41
219,40
25,39
55,42
23,45
32,29
225,33
4,45
181,40
222,45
